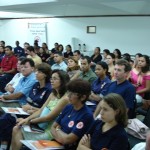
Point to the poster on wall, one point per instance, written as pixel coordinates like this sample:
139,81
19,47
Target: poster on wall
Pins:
37,31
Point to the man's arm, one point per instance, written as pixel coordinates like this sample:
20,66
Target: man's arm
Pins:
13,96
13,70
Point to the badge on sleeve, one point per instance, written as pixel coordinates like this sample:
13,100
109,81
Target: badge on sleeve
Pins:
80,125
71,124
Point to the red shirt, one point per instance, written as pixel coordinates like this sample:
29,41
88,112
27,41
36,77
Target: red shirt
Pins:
8,63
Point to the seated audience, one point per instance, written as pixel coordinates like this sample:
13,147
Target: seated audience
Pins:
31,54
42,54
121,86
110,60
76,118
86,72
55,49
19,51
96,57
45,48
59,62
10,87
68,51
37,97
77,56
73,67
45,116
117,54
105,53
108,133
26,83
8,67
100,85
140,76
60,48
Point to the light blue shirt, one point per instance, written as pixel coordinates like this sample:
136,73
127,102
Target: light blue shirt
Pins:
24,86
61,66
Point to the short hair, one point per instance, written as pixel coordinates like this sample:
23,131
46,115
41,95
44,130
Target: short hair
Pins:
106,51
3,42
122,62
21,58
29,60
81,87
138,54
87,58
31,49
146,68
116,102
9,47
64,79
45,68
77,51
59,53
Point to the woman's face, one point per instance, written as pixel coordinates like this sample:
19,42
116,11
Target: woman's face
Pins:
109,60
40,75
107,113
141,62
68,48
115,53
74,98
41,50
55,81
71,63
99,70
104,54
96,51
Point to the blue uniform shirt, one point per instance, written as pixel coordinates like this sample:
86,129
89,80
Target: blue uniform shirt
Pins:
100,86
125,89
114,139
38,96
24,86
75,121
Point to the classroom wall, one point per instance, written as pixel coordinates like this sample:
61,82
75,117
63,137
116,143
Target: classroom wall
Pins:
129,34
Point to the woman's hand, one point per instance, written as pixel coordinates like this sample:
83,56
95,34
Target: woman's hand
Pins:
23,122
26,107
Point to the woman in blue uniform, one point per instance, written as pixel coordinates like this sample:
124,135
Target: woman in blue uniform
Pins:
108,133
76,118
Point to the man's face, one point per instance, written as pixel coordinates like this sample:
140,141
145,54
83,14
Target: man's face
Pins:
57,58
119,73
8,51
76,56
26,69
1,49
84,65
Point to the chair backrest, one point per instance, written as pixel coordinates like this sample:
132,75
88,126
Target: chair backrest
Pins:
147,118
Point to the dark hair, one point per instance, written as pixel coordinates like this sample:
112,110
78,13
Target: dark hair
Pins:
118,52
98,49
69,47
3,42
116,102
127,57
29,60
146,68
31,49
21,58
9,47
81,87
106,51
87,58
139,54
45,68
60,45
104,66
64,79
59,53
77,51
112,55
45,45
125,63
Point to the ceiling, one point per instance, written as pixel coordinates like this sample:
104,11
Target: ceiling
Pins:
72,8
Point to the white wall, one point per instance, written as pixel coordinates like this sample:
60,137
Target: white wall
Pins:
129,34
